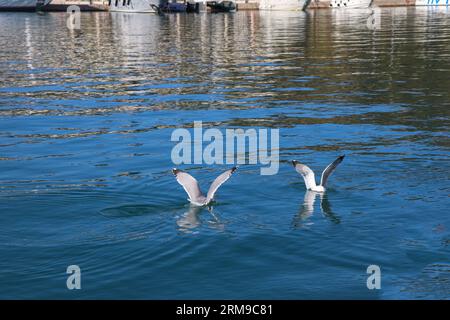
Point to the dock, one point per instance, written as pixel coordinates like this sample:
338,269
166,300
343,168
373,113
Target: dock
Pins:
84,5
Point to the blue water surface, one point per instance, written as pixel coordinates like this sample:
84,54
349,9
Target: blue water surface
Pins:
86,118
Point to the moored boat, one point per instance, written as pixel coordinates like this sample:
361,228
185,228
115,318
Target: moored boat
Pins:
221,6
350,3
282,5
137,6
174,7
22,5
432,3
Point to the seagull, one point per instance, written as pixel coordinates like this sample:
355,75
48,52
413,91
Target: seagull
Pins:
308,174
190,185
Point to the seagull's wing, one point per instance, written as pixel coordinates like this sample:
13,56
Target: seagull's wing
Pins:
189,184
329,170
218,182
307,174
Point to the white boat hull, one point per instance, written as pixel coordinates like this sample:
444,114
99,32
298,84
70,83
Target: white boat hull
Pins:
350,3
132,10
432,3
134,6
282,5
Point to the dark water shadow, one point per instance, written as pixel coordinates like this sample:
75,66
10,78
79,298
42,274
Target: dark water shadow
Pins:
134,210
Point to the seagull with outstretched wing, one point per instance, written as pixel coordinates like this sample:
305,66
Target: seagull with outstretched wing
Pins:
190,185
309,177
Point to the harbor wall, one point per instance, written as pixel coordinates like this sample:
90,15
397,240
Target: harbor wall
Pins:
247,5
323,4
394,3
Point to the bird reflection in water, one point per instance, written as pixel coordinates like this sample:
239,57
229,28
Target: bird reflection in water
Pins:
307,209
191,220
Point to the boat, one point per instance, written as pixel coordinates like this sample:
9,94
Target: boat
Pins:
22,5
174,7
433,3
63,5
221,6
350,3
283,5
136,6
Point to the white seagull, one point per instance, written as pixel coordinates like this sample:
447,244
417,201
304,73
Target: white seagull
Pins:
190,185
310,179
